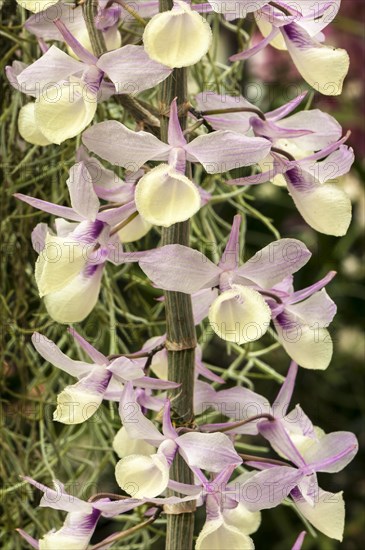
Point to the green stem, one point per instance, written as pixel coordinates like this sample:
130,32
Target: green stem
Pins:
181,338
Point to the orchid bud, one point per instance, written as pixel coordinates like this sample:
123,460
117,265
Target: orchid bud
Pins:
124,445
177,38
240,315
164,196
143,476
27,126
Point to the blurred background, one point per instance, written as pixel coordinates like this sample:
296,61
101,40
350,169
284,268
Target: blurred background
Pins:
31,443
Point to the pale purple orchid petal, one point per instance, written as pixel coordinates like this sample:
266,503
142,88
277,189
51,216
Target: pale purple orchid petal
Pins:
319,155
272,131
281,112
282,401
334,166
112,509
175,134
210,452
116,215
204,397
185,488
30,540
114,142
177,267
202,370
280,441
325,129
58,499
297,422
230,257
41,24
236,122
299,541
52,353
50,208
13,71
127,369
131,70
134,421
201,302
278,166
76,531
315,20
154,383
93,353
246,54
319,309
274,262
167,428
267,489
82,53
224,150
237,8
332,452
306,292
54,66
84,200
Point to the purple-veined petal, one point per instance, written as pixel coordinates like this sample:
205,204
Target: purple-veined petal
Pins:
210,452
335,165
318,309
282,401
236,122
54,66
76,531
332,452
325,207
175,134
274,262
72,42
281,112
115,143
84,200
167,427
52,353
177,267
300,295
224,150
246,54
55,209
280,441
323,67
58,499
201,302
126,369
325,129
131,70
116,215
267,489
275,167
93,353
230,256
309,346
134,421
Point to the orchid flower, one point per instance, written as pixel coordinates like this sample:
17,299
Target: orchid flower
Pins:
82,517
67,90
305,138
164,195
252,294
101,379
187,34
329,453
297,29
42,25
70,264
148,476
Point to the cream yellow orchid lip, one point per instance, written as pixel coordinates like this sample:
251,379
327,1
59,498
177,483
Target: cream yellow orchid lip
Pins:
177,38
28,128
239,315
165,196
143,476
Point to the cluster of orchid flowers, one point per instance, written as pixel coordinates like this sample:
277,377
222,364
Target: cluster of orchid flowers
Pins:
305,152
